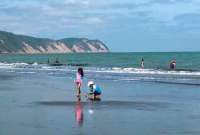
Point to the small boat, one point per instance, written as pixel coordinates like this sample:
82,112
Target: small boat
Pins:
56,63
77,65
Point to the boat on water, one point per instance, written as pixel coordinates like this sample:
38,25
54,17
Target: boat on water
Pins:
56,63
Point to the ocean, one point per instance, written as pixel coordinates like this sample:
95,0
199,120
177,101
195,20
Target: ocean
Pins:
38,97
160,60
116,66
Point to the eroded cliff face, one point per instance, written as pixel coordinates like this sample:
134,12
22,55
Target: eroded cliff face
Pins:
50,48
11,43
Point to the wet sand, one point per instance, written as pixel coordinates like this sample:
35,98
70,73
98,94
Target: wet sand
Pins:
46,104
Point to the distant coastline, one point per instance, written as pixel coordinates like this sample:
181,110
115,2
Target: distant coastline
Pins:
20,44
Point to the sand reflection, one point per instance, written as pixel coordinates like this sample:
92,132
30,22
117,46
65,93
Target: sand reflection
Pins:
79,112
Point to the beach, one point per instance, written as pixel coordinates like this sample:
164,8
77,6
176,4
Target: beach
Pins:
107,67
41,99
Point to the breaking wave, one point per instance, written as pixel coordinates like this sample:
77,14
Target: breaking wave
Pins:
113,73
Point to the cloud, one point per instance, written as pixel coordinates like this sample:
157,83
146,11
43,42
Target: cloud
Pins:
168,12
40,16
83,3
93,20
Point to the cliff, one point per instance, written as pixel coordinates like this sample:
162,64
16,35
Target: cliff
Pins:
12,43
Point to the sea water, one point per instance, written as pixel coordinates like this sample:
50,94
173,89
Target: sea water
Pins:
38,98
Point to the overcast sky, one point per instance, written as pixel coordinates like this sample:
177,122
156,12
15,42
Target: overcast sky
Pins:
126,25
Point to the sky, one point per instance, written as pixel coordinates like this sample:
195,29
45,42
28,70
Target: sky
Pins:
124,26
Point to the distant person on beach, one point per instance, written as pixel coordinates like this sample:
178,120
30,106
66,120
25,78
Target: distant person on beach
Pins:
78,81
173,65
95,91
142,63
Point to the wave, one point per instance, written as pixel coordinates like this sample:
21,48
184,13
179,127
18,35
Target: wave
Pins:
128,70
182,77
146,71
179,83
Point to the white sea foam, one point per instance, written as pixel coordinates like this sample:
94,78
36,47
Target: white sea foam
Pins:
26,72
107,73
35,64
114,70
145,71
12,65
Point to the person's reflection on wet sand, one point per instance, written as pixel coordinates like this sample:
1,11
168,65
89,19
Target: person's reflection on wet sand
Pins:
79,113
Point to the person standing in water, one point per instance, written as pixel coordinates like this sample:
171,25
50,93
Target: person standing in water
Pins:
78,81
173,65
142,63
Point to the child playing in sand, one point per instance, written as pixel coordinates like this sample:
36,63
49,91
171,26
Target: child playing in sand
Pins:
95,91
78,81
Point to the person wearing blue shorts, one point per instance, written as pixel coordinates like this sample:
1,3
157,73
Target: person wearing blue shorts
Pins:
95,90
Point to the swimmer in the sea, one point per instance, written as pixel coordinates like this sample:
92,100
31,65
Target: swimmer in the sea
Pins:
142,63
173,65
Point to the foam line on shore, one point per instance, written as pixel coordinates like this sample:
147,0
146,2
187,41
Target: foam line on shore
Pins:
128,70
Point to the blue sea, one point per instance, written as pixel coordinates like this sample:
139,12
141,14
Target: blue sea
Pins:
113,66
38,97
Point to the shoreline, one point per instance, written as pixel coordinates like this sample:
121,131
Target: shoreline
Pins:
43,103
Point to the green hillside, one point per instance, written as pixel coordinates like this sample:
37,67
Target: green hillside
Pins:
12,43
